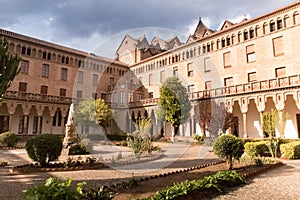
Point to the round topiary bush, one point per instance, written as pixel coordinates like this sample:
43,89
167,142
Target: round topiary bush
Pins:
44,148
230,148
8,139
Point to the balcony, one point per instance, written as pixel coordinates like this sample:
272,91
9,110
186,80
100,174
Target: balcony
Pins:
252,87
257,86
34,97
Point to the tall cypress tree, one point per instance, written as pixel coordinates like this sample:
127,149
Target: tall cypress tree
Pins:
8,67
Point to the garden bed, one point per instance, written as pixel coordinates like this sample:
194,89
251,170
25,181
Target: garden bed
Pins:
78,164
148,186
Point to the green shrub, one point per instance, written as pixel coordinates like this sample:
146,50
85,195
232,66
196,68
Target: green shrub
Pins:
216,182
255,149
44,148
229,147
54,189
8,139
290,150
198,138
78,149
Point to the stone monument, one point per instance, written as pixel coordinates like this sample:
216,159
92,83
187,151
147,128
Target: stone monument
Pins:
70,135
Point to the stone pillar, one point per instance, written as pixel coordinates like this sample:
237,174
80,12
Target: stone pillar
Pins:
64,112
261,105
52,111
244,109
11,107
39,110
26,109
245,124
280,103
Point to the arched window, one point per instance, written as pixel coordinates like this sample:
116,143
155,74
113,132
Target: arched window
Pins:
285,21
265,28
279,24
295,17
256,30
12,47
232,38
272,26
251,33
246,35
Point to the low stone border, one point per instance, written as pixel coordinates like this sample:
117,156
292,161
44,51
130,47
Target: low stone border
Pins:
33,168
260,170
3,163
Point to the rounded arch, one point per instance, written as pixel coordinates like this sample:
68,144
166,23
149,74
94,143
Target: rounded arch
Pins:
295,17
12,47
286,21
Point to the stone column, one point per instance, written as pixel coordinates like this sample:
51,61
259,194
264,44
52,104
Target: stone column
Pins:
52,111
39,110
26,109
244,109
261,105
11,107
64,112
280,103
245,124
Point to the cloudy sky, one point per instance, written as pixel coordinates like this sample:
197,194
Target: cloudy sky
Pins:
86,24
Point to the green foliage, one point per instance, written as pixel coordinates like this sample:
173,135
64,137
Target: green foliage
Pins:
8,139
229,147
101,193
270,123
103,113
273,146
53,189
290,150
92,112
135,142
215,182
255,149
8,67
85,113
44,148
198,138
174,105
140,140
78,149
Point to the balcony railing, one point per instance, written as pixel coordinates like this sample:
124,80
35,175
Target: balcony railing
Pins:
36,97
257,86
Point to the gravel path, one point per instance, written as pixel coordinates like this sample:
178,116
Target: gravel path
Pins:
277,184
176,156
280,183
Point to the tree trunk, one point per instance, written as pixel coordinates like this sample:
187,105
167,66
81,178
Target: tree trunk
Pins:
173,133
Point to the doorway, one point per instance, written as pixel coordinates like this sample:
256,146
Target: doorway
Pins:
4,124
298,124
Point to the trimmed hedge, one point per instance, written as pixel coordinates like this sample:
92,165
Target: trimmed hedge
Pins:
290,150
255,149
8,139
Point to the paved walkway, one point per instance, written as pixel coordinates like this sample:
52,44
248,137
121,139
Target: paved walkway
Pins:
280,183
176,156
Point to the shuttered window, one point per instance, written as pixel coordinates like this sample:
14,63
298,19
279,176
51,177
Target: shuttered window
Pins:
278,46
227,59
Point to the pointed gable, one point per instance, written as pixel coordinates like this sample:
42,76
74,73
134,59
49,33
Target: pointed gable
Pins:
226,24
200,29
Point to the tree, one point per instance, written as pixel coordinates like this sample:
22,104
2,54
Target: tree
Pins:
92,112
214,117
103,113
86,114
174,105
8,67
230,148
